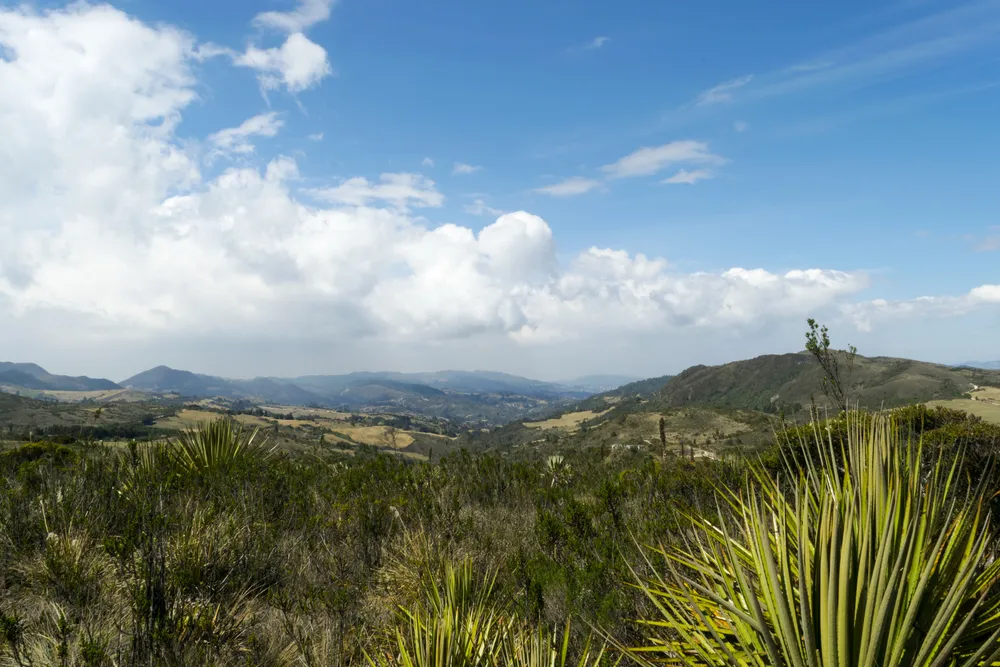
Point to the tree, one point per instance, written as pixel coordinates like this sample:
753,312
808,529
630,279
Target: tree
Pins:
836,380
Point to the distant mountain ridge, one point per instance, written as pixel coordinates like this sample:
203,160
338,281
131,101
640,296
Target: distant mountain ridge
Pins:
600,383
466,396
33,376
985,365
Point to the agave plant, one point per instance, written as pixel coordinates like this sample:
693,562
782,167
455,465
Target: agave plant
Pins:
218,445
876,561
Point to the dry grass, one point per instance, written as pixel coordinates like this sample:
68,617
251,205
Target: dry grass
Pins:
568,422
988,411
186,419
97,395
983,402
379,436
299,412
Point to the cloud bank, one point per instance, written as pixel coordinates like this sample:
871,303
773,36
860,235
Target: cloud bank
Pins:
113,228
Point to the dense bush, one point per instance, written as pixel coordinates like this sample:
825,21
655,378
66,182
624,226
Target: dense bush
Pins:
194,554
154,554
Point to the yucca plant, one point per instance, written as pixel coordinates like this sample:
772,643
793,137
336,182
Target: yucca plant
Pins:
465,624
863,559
461,625
542,647
219,445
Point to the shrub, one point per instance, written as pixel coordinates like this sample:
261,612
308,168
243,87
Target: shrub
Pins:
875,563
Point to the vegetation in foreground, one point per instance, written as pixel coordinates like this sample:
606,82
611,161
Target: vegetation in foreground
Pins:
219,550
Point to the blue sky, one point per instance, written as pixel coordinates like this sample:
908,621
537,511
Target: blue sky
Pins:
853,137
885,142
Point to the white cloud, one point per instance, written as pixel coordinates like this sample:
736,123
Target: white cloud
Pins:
651,159
597,43
866,314
741,126
318,136
427,162
397,190
298,64
689,177
462,168
480,207
112,232
308,13
570,187
723,92
237,139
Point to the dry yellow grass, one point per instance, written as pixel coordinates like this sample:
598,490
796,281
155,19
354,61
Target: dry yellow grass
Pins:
298,412
194,418
568,422
97,395
988,410
371,435
991,394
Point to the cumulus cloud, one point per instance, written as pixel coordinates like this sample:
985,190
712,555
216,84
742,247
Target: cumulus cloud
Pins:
741,126
868,313
316,136
652,159
298,64
689,177
570,187
110,228
306,14
427,162
462,168
237,139
597,43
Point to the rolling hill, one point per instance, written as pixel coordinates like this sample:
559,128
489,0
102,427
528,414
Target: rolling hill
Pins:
773,383
33,376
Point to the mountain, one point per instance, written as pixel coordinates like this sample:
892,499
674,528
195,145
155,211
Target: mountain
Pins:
985,365
462,396
166,380
771,383
474,382
596,384
33,376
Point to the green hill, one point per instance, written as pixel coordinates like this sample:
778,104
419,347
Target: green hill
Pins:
787,382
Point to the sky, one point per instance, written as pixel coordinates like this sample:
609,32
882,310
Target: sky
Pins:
551,188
